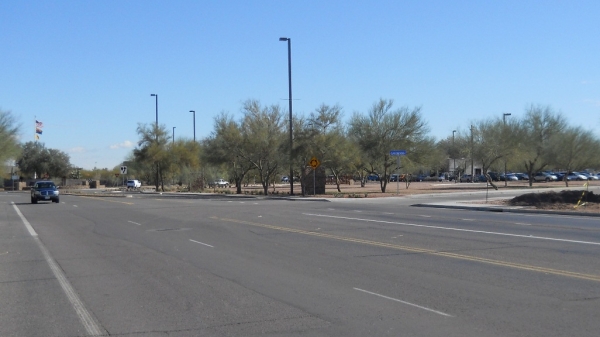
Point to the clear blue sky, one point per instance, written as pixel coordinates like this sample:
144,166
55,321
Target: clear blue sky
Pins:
86,69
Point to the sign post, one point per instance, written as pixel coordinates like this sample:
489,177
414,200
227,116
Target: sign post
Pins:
123,172
398,153
314,163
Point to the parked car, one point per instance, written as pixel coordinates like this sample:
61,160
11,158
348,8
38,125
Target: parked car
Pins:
522,176
393,177
285,179
576,176
44,190
508,177
544,176
466,178
373,177
589,176
494,176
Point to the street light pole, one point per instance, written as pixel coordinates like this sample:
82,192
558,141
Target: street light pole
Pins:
453,157
289,43
156,133
173,141
194,111
504,122
472,160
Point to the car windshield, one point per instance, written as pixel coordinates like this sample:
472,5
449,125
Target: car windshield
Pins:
45,185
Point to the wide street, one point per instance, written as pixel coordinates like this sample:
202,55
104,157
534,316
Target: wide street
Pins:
159,265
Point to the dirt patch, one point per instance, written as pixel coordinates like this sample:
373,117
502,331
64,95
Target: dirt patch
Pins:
579,201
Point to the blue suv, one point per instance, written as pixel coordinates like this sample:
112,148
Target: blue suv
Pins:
45,191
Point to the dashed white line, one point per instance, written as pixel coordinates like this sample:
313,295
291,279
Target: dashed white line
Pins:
425,216
467,219
522,224
135,223
404,302
202,243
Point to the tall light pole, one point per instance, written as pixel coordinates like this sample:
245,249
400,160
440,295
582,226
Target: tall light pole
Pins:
173,141
453,156
472,160
504,140
194,112
156,132
289,43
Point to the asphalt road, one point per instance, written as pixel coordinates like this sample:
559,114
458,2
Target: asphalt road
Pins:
154,265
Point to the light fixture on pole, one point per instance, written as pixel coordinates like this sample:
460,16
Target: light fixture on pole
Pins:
194,112
504,140
156,99
289,43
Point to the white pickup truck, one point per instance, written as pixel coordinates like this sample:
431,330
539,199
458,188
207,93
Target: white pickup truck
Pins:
219,183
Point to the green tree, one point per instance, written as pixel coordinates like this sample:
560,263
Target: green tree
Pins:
574,149
263,140
9,146
538,129
254,143
384,129
37,160
152,153
225,146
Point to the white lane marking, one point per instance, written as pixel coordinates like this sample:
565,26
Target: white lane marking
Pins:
522,224
456,229
388,213
135,223
467,219
74,205
86,318
25,222
425,216
404,302
562,216
202,243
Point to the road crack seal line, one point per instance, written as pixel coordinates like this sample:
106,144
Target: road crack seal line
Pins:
558,272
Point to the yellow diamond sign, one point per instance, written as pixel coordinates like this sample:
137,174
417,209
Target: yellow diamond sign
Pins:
314,162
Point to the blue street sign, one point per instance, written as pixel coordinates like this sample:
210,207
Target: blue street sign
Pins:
398,153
